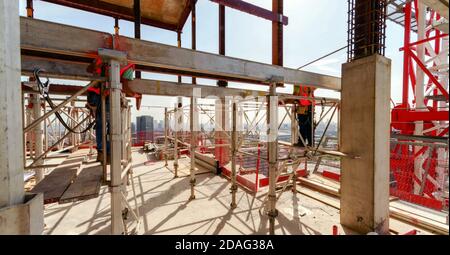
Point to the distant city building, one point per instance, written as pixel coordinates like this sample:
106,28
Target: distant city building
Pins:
144,128
133,127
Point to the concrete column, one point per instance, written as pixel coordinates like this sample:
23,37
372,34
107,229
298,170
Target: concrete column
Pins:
19,214
11,137
365,132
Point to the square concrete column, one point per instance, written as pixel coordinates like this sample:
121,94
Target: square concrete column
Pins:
11,137
19,214
365,118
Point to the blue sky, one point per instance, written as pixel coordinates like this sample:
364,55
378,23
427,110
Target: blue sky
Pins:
316,27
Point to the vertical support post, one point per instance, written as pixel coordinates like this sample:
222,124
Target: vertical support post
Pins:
277,34
11,137
30,9
178,113
194,129
194,33
233,157
272,151
137,26
116,140
116,26
222,39
420,88
104,134
166,134
179,46
38,142
406,57
294,125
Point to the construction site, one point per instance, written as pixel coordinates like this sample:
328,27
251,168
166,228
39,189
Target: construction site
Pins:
233,146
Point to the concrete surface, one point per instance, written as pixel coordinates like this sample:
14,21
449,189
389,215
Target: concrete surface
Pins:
165,209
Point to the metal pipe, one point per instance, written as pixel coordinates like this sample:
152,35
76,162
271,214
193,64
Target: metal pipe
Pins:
233,159
56,144
272,151
193,127
104,140
115,137
166,134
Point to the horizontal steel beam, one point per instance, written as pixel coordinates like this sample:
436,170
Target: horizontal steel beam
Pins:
253,10
56,41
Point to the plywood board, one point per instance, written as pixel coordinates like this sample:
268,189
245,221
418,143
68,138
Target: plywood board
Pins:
86,185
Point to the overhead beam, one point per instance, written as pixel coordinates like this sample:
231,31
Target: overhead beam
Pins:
167,88
441,6
185,14
47,39
253,10
112,10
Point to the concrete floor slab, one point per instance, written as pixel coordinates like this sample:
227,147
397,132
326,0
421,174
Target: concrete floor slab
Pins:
165,208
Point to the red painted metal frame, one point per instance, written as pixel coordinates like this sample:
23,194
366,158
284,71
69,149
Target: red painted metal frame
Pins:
253,10
404,114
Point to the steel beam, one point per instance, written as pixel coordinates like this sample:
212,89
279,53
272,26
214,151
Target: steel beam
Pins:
277,35
57,41
254,10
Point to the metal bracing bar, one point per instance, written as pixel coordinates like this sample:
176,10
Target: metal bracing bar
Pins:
104,134
113,57
193,127
56,143
323,116
42,166
272,151
46,115
325,131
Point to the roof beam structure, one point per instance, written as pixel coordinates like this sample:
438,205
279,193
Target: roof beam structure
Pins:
253,10
441,6
115,11
47,40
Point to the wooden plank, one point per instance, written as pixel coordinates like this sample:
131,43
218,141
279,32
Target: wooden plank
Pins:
207,158
419,221
86,185
61,41
422,212
319,186
55,183
395,226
